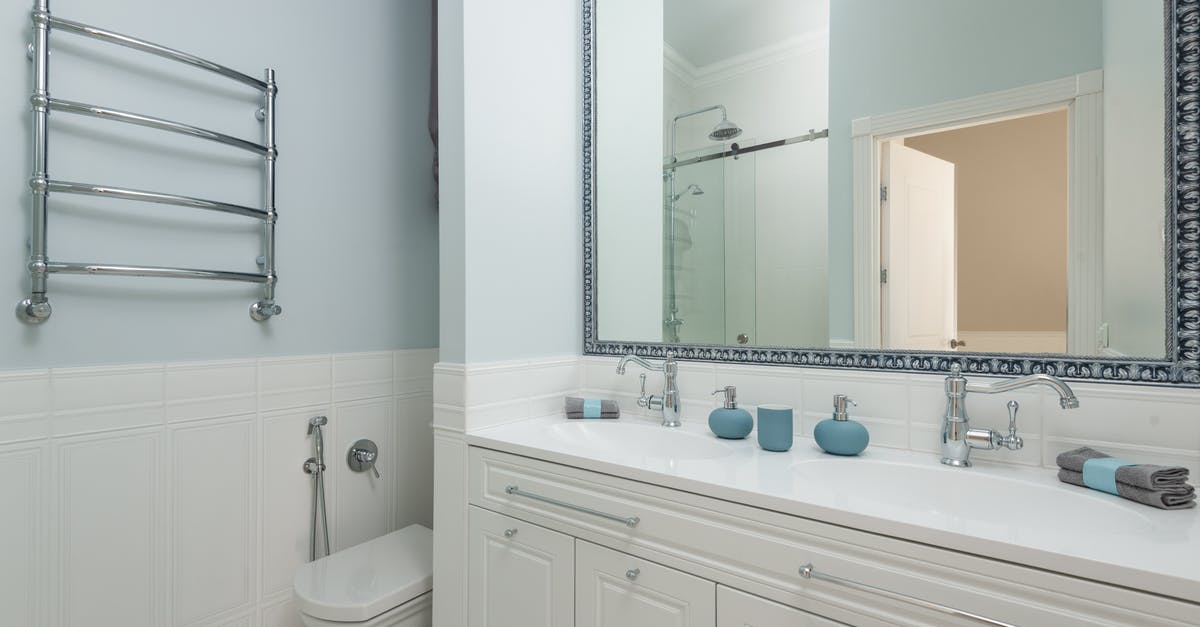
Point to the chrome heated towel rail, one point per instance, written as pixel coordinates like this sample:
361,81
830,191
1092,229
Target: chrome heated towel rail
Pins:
36,308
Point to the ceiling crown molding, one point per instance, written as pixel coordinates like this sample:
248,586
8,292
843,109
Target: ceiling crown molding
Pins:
737,65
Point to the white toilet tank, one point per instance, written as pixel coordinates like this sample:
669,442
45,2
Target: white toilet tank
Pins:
385,582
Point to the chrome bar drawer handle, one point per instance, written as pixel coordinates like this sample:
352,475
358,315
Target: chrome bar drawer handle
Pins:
808,572
629,521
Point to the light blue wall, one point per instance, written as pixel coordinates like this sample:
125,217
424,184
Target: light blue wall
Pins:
357,232
511,259
889,56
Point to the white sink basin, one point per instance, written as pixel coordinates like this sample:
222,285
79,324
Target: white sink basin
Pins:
637,439
1004,511
955,497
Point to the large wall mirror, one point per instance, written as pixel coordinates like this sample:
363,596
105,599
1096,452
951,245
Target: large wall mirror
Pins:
895,184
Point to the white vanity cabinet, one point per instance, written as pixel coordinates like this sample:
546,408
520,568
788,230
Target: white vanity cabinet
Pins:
614,589
520,574
856,578
524,574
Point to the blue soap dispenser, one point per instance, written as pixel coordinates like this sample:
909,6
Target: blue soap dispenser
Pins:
730,422
840,435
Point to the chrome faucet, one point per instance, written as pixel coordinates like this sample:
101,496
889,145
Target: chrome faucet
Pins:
958,438
668,403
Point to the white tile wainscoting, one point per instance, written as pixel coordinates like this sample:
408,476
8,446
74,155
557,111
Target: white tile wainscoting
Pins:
172,494
1151,424
1137,422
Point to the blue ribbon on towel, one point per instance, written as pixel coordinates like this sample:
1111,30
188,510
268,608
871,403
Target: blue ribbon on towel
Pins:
591,408
1100,473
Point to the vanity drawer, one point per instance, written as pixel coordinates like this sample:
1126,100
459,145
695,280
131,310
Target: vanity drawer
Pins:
763,552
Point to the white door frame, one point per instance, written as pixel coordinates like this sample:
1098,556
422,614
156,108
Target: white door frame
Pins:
1081,95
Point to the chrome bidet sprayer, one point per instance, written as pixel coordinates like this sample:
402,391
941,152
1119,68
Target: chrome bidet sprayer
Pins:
315,466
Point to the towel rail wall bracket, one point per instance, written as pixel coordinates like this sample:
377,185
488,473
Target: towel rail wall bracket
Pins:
36,308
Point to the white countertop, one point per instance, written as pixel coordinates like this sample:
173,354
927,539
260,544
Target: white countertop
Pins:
1013,513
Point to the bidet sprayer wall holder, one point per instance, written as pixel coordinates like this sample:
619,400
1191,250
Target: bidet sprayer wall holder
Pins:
668,403
958,438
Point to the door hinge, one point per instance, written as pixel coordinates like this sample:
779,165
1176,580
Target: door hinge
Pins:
883,275
883,193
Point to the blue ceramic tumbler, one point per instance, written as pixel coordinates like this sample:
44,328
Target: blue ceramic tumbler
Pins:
775,427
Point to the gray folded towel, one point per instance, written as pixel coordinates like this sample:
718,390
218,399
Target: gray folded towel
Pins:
573,406
1178,497
1146,476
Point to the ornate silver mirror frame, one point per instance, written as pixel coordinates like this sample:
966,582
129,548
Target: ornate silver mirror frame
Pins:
1181,366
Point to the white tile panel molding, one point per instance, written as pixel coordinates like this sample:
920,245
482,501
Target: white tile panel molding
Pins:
1143,423
172,494
1151,424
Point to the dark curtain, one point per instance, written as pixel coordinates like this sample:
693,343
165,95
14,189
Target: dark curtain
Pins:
433,98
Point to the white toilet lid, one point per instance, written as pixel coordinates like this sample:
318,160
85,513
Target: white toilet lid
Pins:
368,579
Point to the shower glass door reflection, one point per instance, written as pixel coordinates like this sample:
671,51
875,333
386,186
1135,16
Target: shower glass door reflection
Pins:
708,251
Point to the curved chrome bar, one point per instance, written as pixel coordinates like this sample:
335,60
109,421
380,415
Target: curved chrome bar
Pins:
128,117
154,271
88,189
101,34
1066,397
639,361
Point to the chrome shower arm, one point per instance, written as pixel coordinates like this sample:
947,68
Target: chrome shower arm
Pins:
688,114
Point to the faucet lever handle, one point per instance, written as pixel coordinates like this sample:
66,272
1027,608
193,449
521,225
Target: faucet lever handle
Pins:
642,378
1012,441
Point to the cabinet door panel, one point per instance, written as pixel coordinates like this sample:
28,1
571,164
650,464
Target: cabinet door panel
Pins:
613,589
738,609
520,573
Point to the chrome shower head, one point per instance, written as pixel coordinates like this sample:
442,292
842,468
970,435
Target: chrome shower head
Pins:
724,130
